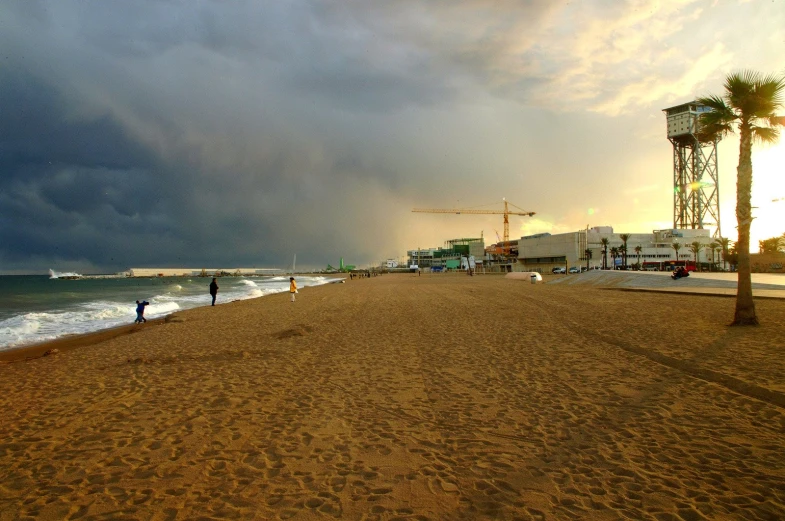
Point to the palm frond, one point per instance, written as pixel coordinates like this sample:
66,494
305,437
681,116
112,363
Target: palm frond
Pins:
721,115
765,134
716,123
772,87
740,88
767,101
716,103
711,130
776,120
765,97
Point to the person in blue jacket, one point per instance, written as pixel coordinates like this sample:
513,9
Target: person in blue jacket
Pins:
140,311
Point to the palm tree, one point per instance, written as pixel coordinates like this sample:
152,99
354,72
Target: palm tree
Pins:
624,238
725,243
773,245
676,247
614,254
750,102
587,253
695,248
604,242
638,250
714,247
717,249
733,256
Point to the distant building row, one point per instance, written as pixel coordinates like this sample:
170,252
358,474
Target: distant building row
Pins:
543,252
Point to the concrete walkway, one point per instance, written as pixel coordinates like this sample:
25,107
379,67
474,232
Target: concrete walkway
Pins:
764,285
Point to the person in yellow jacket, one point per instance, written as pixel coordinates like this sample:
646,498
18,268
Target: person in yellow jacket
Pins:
292,287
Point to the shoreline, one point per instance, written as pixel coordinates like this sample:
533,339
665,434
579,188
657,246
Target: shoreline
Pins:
74,340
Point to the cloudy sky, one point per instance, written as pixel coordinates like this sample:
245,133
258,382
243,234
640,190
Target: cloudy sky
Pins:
196,133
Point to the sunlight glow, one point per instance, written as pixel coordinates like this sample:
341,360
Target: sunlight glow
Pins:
768,193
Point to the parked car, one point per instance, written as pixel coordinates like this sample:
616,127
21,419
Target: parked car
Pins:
575,269
558,271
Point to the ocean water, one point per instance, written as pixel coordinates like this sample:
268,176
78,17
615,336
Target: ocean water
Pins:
37,308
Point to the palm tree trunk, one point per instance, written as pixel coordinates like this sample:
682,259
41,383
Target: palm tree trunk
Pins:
745,307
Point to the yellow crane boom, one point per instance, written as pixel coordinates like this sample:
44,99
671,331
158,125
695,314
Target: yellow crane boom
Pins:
506,213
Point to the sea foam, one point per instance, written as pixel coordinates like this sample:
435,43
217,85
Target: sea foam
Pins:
68,316
56,274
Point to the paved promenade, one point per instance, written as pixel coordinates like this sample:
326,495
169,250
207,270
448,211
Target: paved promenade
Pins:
764,285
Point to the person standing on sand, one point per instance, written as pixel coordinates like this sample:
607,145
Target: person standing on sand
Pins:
140,311
292,287
213,290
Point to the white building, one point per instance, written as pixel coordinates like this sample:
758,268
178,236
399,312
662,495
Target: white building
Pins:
543,252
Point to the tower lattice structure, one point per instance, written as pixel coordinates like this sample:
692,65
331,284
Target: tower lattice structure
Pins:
696,187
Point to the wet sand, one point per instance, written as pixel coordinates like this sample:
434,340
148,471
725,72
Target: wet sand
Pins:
402,397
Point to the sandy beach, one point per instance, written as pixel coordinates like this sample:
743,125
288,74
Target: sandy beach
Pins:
440,397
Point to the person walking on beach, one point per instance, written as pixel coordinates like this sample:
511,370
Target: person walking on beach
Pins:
213,290
292,287
140,311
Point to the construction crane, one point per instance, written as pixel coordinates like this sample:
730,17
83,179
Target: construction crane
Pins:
506,213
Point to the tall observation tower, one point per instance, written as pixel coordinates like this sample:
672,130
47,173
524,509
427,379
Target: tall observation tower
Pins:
696,186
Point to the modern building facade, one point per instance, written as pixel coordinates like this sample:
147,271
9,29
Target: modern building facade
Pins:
543,252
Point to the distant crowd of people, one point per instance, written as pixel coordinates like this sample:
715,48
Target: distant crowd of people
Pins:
363,274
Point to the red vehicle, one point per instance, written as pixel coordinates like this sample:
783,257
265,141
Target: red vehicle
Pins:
672,265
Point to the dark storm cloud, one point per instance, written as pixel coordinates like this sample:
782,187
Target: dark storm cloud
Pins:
362,56
80,184
37,131
66,182
111,154
227,133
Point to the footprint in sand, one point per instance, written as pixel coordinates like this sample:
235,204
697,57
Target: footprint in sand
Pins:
337,483
295,331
